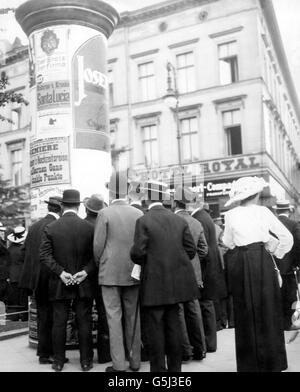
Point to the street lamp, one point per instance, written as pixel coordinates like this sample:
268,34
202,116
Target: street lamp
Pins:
171,99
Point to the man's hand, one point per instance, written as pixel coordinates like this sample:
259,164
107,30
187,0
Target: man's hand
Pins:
79,277
66,278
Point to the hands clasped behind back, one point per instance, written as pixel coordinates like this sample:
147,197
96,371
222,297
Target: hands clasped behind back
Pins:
69,279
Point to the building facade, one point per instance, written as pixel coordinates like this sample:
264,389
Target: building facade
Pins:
237,113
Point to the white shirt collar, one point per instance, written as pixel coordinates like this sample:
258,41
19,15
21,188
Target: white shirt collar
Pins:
196,210
137,202
157,203
116,200
56,216
287,215
176,212
67,211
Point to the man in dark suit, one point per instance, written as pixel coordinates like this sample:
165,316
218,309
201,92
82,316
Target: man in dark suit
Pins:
163,246
194,345
67,250
289,261
35,278
214,286
93,205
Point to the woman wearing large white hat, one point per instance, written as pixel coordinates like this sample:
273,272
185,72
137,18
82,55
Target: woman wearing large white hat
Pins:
253,282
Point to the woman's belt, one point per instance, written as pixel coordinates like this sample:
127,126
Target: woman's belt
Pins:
254,245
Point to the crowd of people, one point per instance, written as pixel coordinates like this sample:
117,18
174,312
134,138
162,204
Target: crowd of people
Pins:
164,279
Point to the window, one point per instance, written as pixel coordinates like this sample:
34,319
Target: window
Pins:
228,62
147,81
16,118
232,126
111,88
189,137
16,166
185,72
150,145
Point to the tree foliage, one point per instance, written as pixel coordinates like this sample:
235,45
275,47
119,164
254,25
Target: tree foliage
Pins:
7,97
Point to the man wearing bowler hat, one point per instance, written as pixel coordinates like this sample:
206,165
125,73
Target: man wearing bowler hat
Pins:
35,278
290,261
67,250
163,246
112,242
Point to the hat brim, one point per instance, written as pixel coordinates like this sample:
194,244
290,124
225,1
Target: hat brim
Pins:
71,202
11,238
240,197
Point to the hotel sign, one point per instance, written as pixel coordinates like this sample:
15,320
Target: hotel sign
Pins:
233,164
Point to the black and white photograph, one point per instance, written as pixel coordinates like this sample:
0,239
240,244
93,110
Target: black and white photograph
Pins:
149,188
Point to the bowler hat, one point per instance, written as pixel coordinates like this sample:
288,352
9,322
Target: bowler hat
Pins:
93,203
71,196
184,195
54,201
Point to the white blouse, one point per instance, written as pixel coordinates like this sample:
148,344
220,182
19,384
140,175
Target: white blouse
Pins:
248,224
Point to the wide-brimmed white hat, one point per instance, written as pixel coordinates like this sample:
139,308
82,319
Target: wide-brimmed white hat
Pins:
245,187
19,234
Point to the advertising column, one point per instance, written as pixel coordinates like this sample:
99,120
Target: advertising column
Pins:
70,145
69,141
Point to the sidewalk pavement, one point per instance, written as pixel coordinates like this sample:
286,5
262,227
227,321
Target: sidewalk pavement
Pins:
17,356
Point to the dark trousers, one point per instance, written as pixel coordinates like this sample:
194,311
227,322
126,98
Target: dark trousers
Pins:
83,314
164,337
103,350
221,313
44,324
192,328
210,324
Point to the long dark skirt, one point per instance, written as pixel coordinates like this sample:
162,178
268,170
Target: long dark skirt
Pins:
259,333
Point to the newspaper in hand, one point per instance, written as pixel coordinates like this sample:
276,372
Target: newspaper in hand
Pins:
136,272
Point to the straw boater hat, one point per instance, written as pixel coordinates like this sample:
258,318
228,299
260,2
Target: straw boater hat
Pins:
245,187
283,205
19,234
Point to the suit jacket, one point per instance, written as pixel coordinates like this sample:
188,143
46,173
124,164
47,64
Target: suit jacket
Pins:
212,271
67,245
113,239
197,232
15,262
3,261
292,258
33,270
163,246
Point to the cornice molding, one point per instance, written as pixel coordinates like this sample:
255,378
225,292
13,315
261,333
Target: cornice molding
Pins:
146,53
184,43
226,32
159,10
146,115
221,101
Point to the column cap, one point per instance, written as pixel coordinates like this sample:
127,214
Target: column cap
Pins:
96,14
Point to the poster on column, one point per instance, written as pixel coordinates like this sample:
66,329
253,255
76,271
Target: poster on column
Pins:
49,162
90,108
52,81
